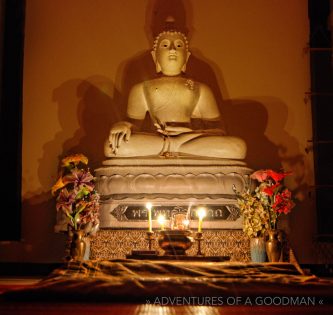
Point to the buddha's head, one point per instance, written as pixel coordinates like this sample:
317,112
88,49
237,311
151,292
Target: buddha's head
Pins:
170,53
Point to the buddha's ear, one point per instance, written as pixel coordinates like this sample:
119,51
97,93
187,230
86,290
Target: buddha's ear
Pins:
158,67
184,66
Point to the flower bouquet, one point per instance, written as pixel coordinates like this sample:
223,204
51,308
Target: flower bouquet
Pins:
273,195
75,193
262,206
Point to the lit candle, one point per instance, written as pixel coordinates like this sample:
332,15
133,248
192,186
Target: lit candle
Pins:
186,223
150,223
201,214
161,221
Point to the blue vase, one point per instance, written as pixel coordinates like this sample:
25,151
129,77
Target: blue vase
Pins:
257,248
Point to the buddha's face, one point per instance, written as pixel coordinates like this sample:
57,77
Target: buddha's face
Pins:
170,55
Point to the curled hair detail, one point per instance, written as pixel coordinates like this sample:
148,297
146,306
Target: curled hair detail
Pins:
170,32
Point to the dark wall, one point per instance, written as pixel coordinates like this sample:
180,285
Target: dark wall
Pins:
322,111
11,115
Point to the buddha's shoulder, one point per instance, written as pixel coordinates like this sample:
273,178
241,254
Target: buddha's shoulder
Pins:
174,81
171,82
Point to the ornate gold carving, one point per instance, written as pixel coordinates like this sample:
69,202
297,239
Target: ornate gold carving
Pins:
115,244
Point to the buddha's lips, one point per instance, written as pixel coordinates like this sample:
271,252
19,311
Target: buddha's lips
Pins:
172,56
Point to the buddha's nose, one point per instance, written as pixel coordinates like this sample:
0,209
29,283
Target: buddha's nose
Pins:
172,46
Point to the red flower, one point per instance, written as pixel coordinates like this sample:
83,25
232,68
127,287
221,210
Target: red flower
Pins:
283,202
277,177
270,190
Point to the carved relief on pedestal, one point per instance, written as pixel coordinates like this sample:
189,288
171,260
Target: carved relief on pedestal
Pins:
204,183
125,188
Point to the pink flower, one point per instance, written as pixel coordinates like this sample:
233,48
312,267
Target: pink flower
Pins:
65,201
264,175
80,178
260,175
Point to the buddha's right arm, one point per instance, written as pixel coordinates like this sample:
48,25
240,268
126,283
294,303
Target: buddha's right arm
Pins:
136,111
120,131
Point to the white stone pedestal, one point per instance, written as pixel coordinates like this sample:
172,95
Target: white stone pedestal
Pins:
171,185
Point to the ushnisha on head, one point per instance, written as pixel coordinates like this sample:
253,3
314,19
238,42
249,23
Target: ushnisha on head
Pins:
170,52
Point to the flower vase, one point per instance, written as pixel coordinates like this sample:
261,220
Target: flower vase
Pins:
273,245
78,245
257,249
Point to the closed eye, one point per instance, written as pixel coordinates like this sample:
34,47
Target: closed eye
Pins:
179,44
165,43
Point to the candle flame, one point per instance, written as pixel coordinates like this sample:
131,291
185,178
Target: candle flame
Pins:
201,213
161,219
149,205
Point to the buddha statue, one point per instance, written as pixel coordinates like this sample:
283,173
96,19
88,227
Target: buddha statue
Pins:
173,102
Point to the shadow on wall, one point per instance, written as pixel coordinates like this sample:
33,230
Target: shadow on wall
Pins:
95,109
88,103
248,120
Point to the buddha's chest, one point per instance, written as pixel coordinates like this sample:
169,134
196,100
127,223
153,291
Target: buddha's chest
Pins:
171,96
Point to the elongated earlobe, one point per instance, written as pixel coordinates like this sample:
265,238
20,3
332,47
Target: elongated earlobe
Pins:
184,66
158,67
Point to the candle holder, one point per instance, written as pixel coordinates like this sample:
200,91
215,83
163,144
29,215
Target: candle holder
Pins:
150,238
175,242
199,239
